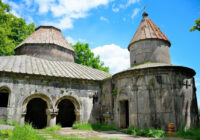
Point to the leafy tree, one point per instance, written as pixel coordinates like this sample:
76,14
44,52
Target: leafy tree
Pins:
86,57
196,26
13,30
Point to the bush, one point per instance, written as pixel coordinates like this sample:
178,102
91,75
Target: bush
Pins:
5,133
192,133
82,126
25,132
52,128
13,123
97,126
150,132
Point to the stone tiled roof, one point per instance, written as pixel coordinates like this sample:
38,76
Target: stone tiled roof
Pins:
36,66
154,65
148,30
47,35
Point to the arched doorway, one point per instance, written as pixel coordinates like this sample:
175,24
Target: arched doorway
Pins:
36,113
66,115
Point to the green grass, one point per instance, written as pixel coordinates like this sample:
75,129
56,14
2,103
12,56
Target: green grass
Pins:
96,127
13,123
150,132
192,133
26,132
52,128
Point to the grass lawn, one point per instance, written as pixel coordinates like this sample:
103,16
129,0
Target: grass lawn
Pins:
96,127
192,133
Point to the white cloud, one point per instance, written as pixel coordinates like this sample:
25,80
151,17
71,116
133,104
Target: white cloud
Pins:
113,56
135,12
67,10
74,41
64,23
44,5
129,2
71,40
115,10
132,2
104,19
68,7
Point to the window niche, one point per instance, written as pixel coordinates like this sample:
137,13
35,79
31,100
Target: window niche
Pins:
4,97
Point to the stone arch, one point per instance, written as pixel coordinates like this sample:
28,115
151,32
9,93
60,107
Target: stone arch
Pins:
5,90
74,102
31,97
41,96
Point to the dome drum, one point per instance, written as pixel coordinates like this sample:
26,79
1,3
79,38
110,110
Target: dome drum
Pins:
149,50
46,51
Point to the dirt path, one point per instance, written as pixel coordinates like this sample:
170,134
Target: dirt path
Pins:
103,134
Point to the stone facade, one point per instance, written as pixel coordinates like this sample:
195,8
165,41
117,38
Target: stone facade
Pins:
156,97
23,88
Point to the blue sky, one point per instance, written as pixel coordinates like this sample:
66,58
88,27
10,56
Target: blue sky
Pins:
108,26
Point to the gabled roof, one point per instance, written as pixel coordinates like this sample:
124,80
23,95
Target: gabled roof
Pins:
148,30
47,35
36,66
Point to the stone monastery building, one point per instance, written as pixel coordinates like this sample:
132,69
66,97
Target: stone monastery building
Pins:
42,85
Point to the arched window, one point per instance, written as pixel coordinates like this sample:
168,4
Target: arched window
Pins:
4,93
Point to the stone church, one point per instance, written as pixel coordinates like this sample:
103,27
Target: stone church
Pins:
41,84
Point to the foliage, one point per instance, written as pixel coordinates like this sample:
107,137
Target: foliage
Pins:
5,134
52,128
192,133
13,123
196,26
97,126
114,92
25,132
150,132
13,30
86,57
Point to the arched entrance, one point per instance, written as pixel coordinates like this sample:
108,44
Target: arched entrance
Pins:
36,113
66,115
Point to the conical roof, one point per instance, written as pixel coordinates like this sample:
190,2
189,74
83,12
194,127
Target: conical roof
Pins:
148,30
47,35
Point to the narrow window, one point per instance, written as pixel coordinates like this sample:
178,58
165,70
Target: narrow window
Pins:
4,98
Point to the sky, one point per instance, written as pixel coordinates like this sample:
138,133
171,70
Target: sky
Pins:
109,25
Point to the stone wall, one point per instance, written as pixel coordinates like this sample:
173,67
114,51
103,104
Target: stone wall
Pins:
23,88
157,97
149,51
46,51
107,101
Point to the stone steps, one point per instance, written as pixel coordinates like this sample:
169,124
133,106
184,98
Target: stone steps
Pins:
46,135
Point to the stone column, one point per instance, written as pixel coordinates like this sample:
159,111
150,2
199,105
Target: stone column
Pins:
22,119
51,116
77,113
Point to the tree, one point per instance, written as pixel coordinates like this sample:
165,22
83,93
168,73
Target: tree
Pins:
86,57
196,26
13,30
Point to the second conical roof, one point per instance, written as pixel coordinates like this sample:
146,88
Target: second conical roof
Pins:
47,35
148,30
